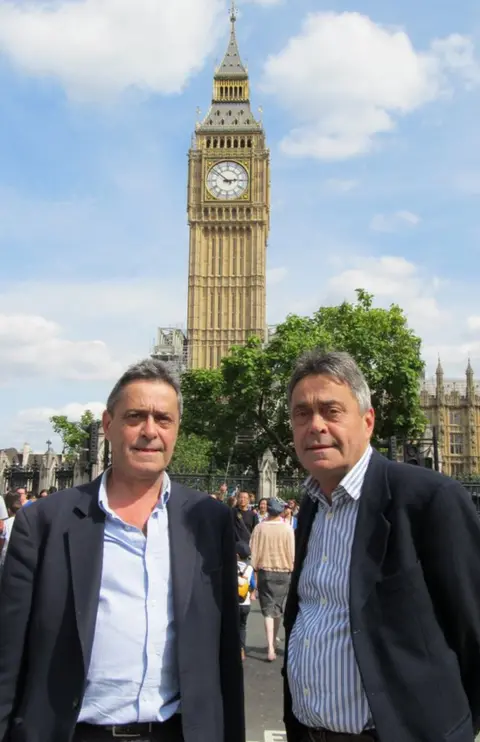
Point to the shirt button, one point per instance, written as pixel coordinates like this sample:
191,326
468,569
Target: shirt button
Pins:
305,691
324,558
323,601
307,643
329,515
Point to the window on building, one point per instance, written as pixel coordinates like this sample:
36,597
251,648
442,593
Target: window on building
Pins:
456,444
458,471
455,417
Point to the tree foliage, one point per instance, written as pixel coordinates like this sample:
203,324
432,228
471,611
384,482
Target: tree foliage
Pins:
192,454
242,407
74,435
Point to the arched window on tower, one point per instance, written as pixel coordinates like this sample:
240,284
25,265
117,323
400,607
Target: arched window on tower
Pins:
235,143
221,91
249,142
242,143
215,144
229,143
235,92
209,143
231,92
222,143
241,91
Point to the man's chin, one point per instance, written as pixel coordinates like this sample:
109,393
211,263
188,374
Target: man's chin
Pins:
147,469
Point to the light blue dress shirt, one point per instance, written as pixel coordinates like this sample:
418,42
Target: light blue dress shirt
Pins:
323,674
133,675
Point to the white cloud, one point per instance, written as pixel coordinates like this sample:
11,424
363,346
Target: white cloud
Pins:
337,185
35,416
473,323
346,79
435,308
32,346
456,53
392,279
99,48
394,222
34,423
122,314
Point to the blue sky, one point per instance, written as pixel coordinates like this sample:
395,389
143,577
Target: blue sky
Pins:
371,110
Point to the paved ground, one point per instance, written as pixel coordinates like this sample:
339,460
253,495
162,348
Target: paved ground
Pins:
263,685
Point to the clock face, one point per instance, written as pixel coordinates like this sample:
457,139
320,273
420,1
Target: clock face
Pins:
227,180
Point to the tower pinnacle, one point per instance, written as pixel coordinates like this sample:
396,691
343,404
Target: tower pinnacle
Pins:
232,67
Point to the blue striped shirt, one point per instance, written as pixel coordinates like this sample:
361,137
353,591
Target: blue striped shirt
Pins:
323,675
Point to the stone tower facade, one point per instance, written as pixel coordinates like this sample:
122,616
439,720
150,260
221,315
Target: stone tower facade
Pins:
228,216
453,407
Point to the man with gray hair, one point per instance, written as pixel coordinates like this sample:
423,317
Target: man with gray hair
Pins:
383,616
119,599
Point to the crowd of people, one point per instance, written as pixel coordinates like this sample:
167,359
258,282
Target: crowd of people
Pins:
124,602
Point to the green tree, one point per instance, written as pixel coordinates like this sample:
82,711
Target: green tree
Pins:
74,435
207,415
193,454
249,397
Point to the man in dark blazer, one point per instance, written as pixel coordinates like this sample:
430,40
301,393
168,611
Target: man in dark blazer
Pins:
119,598
383,616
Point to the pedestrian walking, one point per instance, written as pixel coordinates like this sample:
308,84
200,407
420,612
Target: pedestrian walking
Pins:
119,599
273,549
246,590
383,616
245,512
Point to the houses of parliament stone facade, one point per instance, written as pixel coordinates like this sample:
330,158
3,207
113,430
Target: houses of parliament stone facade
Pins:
453,407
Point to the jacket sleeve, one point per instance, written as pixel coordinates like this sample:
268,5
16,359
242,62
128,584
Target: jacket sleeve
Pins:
16,591
231,669
450,556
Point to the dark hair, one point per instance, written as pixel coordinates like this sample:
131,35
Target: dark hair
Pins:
41,493
13,501
231,500
150,369
340,366
243,550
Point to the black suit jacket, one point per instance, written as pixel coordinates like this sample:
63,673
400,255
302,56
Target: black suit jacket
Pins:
48,605
414,604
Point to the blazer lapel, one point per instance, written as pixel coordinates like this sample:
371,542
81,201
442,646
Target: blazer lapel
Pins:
85,547
371,533
183,552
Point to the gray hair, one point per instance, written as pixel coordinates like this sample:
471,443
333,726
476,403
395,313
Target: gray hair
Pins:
340,366
150,369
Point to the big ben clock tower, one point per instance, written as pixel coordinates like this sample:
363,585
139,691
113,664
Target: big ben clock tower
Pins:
228,216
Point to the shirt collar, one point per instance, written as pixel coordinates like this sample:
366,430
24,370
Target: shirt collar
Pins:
103,497
351,483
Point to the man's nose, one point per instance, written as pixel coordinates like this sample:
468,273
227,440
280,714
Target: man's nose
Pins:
318,424
149,428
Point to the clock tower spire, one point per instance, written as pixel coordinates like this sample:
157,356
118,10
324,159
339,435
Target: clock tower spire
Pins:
228,216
